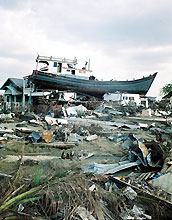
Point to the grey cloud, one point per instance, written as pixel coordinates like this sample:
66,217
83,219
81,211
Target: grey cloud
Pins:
98,24
152,58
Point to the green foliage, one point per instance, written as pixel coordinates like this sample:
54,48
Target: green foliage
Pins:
38,177
14,200
166,89
61,175
30,200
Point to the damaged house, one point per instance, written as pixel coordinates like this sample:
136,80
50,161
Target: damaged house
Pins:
123,98
19,93
13,95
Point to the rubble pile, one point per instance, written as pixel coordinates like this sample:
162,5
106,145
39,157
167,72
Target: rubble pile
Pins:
83,162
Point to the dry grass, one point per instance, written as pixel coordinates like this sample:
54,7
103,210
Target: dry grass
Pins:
63,197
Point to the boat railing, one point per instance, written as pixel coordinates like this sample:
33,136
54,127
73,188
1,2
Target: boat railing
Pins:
54,59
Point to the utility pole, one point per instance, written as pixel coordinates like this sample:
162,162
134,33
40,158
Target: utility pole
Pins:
23,93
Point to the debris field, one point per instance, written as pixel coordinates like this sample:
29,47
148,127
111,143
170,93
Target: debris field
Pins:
86,162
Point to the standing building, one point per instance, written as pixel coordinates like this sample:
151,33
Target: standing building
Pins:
13,95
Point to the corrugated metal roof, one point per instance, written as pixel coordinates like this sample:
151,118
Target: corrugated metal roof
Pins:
17,83
14,91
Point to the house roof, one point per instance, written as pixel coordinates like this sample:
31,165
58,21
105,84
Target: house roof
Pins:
167,95
13,91
16,82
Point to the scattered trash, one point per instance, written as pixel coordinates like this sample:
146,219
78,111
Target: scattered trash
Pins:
91,137
47,136
24,130
143,125
164,182
130,193
76,111
51,120
146,113
35,137
12,136
8,130
123,151
6,116
108,168
84,214
20,208
135,213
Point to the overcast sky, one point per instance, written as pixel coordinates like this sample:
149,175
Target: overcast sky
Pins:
124,39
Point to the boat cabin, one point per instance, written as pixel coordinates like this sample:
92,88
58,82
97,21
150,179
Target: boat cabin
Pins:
62,66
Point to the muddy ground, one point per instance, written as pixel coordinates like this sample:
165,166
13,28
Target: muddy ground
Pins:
100,150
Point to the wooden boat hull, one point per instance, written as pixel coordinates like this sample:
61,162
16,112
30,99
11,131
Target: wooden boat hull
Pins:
91,87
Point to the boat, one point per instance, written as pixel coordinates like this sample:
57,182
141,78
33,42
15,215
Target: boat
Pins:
61,74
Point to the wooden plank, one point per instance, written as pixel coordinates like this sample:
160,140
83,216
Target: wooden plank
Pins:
59,145
140,191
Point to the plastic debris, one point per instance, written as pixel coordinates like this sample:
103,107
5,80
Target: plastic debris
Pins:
130,193
91,137
108,168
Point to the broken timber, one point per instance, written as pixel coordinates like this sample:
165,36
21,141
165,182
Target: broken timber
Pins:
59,145
148,194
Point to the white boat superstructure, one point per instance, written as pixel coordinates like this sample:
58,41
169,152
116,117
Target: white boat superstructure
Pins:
62,66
